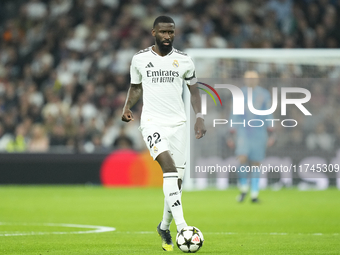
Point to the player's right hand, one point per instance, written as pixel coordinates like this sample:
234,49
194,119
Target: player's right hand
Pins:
127,115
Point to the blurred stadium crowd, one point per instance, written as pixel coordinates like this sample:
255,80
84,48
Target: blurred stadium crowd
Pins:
64,64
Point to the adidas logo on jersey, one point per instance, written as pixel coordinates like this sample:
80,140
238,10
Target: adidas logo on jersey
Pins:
149,65
177,203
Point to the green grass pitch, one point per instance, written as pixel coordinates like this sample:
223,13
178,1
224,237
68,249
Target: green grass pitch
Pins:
286,222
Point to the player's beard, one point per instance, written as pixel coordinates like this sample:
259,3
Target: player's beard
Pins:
162,47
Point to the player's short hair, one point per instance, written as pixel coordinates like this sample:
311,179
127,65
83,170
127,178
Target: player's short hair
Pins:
163,19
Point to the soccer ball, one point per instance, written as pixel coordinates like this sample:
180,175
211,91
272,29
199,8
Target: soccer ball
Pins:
189,239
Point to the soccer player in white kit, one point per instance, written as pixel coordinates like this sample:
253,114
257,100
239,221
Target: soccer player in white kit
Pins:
157,73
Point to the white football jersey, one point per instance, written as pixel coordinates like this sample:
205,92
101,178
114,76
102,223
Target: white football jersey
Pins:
162,82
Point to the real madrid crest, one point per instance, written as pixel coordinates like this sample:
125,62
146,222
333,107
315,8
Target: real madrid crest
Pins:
155,149
175,63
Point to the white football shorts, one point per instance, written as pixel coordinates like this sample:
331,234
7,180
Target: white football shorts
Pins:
173,139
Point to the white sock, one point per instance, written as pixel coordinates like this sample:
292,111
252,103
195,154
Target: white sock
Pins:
254,194
173,198
244,188
167,216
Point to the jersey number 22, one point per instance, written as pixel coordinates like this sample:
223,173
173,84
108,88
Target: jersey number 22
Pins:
155,135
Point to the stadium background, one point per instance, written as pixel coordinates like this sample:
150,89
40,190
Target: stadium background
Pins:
64,74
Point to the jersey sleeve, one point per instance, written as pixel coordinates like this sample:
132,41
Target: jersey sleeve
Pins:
135,75
190,73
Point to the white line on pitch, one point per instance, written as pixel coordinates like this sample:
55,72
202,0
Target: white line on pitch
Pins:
94,229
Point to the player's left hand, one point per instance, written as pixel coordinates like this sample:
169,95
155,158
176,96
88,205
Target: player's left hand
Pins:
272,138
271,141
200,129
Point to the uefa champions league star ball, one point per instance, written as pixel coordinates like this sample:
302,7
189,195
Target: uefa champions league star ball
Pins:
189,239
